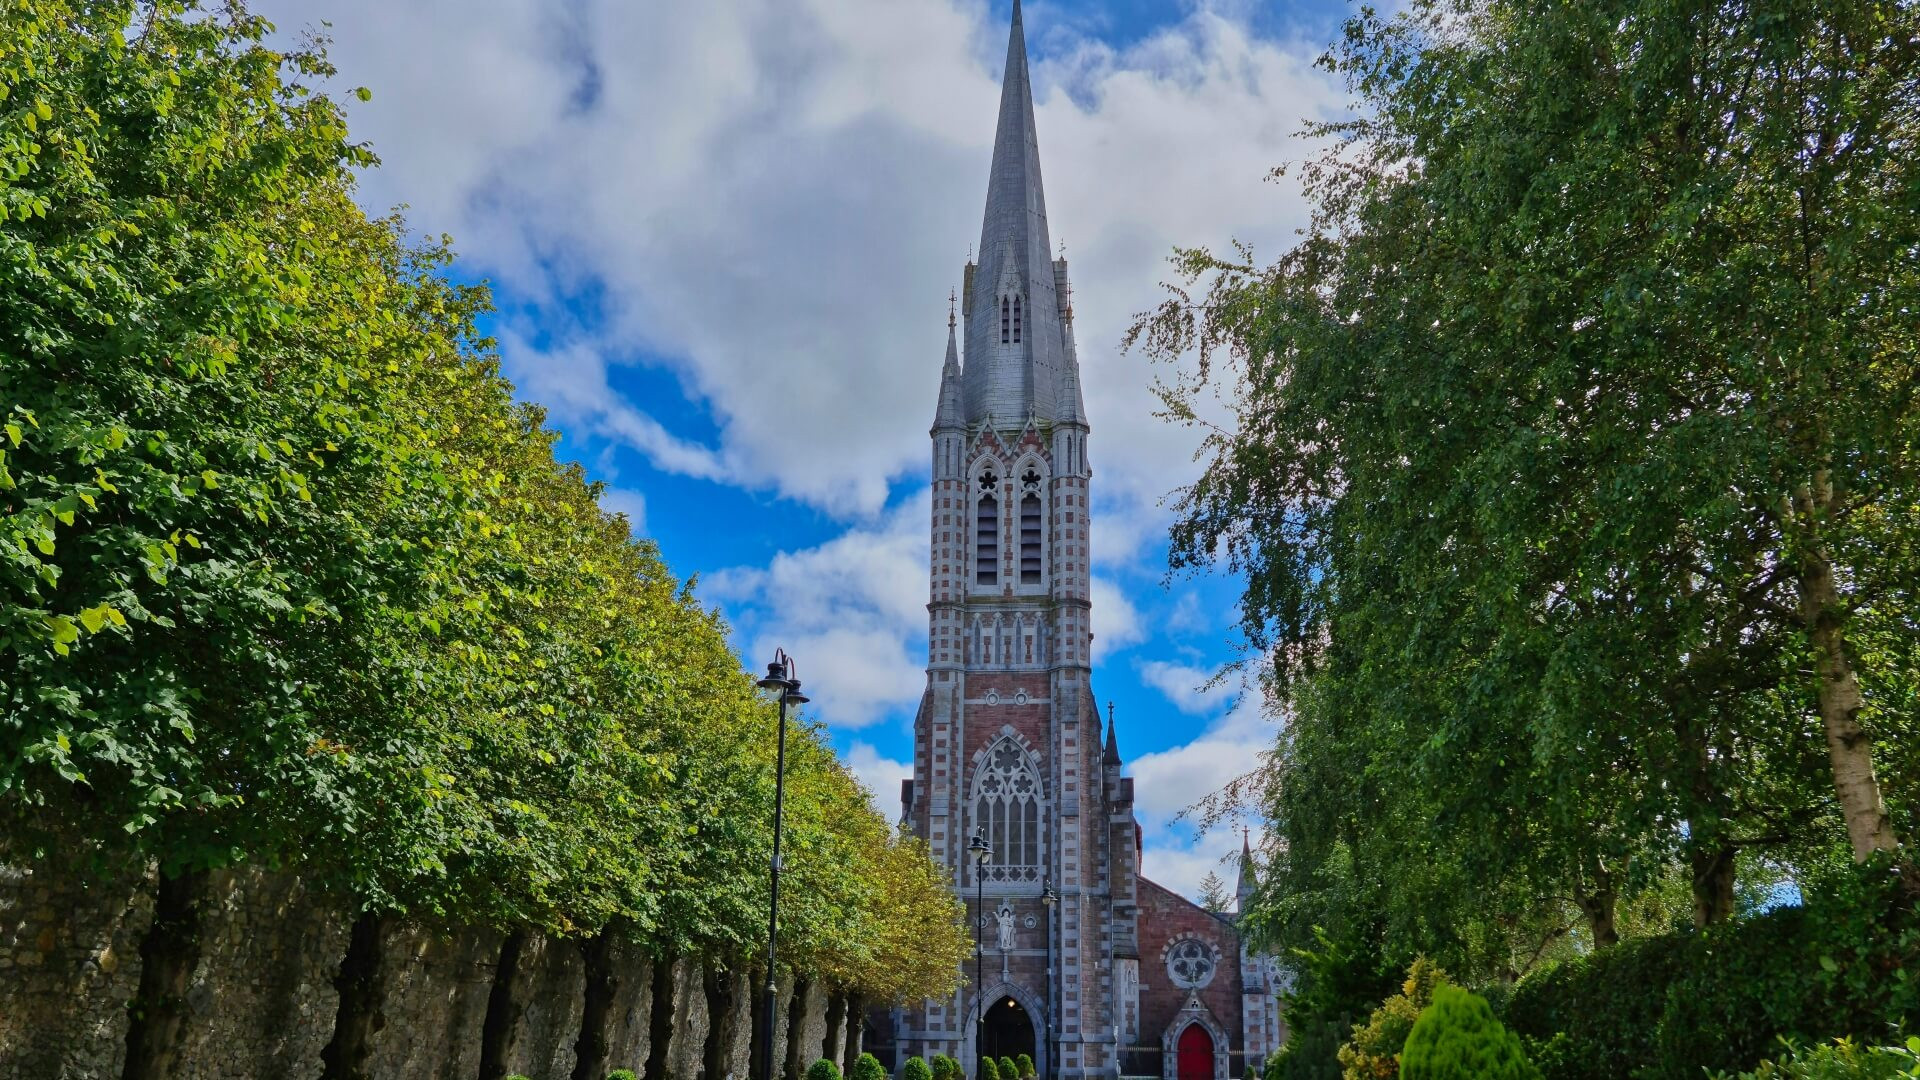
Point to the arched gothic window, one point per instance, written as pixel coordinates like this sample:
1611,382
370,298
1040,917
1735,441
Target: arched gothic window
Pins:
1006,323
1030,539
1016,320
1006,802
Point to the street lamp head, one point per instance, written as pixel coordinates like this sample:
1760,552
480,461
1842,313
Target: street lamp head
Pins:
1047,895
780,674
793,696
978,847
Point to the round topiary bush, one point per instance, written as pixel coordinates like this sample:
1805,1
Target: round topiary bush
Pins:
916,1069
944,1067
1025,1064
1457,1038
823,1069
622,1074
1008,1070
867,1067
989,1070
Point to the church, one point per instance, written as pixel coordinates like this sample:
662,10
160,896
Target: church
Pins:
1017,785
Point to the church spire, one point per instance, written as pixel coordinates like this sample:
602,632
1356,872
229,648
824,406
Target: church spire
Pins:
947,414
1016,343
1111,756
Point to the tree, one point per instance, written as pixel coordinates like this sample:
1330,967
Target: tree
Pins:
1568,453
1213,893
1457,1038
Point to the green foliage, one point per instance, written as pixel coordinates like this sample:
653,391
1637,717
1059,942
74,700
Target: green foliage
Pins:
989,1069
287,576
1848,963
1457,1038
944,1067
823,1069
1374,1051
1839,1060
622,1074
1025,1063
1338,982
916,1069
1532,469
1008,1070
867,1067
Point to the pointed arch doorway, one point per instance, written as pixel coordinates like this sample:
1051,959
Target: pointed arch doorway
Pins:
1194,1054
1009,1030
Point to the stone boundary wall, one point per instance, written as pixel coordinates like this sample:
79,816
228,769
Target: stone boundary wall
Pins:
263,997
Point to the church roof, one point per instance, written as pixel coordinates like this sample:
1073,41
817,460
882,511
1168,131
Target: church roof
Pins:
1014,373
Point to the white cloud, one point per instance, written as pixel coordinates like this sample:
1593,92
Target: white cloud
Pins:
851,611
775,195
1116,623
1185,685
1170,781
881,775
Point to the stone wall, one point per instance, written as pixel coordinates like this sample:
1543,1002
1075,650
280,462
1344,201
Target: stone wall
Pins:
261,1001
69,963
262,998
433,1002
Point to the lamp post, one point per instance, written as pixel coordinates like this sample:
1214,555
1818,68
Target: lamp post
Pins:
982,853
1050,898
781,679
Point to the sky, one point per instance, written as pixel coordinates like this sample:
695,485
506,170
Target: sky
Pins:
722,236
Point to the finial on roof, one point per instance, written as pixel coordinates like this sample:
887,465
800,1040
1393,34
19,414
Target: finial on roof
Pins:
953,297
1246,863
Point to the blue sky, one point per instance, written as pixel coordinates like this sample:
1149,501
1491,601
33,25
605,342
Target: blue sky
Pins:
722,236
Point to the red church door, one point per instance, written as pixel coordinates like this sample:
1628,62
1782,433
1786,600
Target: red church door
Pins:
1195,1054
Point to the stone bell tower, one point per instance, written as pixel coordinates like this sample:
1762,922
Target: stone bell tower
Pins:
1007,740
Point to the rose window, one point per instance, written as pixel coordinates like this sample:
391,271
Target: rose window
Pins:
1190,964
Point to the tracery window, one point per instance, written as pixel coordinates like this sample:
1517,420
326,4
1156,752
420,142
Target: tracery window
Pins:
1190,963
1007,804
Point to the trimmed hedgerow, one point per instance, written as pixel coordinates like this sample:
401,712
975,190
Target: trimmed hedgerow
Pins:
1674,1006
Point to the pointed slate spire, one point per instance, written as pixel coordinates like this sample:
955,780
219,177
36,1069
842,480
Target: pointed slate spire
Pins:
1246,865
1111,756
948,414
1016,357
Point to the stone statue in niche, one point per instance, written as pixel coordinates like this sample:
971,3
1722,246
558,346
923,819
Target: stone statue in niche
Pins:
1005,918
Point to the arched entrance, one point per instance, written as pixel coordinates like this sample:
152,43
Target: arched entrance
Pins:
1009,1030
1195,1054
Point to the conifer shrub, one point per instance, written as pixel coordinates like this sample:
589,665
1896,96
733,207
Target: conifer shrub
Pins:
823,1069
1025,1063
867,1067
1374,1051
988,1069
916,1069
1008,1070
1457,1038
944,1067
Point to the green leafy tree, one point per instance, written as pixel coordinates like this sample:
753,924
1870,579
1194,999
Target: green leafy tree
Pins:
1457,1038
1374,1051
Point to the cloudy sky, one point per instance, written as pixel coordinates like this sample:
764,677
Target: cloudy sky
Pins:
722,236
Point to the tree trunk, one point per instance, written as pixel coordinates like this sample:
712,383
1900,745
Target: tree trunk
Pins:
1712,867
719,985
831,1046
795,1067
168,955
602,983
361,984
660,1020
1598,907
856,1029
1849,747
496,1035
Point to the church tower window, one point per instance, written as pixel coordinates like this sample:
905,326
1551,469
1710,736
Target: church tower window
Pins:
1030,539
1016,320
1007,805
1006,324
986,535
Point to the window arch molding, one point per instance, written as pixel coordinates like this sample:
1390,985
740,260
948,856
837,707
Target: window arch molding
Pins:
986,507
1007,796
1031,510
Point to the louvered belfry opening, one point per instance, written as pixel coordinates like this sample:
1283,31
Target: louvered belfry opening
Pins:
1030,540
986,542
